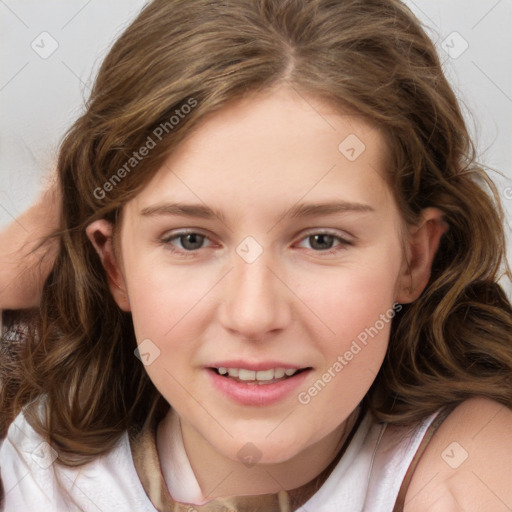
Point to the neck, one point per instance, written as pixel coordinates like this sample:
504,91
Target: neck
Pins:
219,476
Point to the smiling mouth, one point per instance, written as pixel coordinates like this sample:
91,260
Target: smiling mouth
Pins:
260,377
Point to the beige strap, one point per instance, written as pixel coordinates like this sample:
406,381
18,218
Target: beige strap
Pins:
147,465
431,430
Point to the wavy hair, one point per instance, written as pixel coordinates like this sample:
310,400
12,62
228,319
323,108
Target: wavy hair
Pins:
369,57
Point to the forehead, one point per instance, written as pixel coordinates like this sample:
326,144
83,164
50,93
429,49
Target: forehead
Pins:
270,150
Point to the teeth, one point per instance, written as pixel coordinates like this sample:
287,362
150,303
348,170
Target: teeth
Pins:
251,375
265,375
246,374
279,373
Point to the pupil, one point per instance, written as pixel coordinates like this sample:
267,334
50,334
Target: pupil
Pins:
323,243
192,239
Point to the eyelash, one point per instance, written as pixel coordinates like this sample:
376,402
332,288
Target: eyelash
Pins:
166,241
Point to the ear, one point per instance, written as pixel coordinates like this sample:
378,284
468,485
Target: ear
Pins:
421,247
99,233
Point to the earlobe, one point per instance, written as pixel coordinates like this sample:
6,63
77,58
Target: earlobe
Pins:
99,233
422,245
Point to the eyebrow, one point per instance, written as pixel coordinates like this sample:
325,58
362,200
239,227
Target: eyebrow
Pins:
296,211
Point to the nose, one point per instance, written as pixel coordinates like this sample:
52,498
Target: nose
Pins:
256,302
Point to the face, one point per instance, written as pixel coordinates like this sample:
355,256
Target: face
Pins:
268,241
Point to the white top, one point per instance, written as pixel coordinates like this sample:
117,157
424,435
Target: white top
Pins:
32,482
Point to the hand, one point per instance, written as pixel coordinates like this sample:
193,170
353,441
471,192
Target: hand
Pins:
24,262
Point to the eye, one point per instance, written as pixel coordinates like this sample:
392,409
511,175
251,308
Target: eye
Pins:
188,243
324,242
184,242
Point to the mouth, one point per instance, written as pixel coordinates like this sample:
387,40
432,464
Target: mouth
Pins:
258,384
258,377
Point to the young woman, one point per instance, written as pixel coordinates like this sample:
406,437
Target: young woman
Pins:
276,279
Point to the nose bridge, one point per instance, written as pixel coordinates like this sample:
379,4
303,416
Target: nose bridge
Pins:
254,299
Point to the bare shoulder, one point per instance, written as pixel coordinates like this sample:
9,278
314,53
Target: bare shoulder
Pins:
467,465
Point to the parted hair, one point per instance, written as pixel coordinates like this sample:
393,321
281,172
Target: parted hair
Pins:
369,57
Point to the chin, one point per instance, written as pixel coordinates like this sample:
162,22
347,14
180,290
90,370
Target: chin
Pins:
262,450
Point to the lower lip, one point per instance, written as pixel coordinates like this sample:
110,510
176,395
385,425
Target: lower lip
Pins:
257,394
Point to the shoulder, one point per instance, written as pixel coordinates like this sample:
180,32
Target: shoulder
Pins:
22,440
25,457
466,465
34,479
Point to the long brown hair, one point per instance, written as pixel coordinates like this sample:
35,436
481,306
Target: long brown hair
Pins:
187,59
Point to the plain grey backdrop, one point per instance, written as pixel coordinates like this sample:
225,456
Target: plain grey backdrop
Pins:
51,50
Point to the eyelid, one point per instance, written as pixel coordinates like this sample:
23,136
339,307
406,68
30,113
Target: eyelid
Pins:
342,235
343,241
312,231
185,231
175,233
168,237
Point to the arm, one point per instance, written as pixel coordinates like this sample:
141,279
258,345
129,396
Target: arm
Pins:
23,266
466,467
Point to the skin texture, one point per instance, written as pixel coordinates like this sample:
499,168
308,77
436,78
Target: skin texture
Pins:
472,475
295,303
24,263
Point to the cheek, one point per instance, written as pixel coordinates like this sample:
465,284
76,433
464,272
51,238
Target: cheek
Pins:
167,310
351,358
163,298
170,308
356,307
349,299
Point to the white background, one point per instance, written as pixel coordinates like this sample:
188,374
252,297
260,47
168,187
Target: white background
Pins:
40,98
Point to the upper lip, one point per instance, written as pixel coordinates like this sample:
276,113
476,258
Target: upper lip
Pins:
255,365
